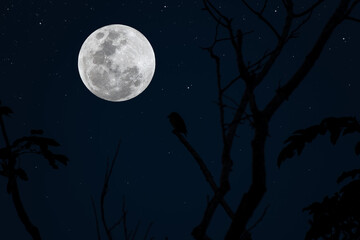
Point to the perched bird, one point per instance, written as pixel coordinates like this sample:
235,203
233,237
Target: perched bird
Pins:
177,122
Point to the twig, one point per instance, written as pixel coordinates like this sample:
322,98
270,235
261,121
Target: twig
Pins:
135,231
310,9
260,219
104,191
234,80
353,19
125,222
117,223
285,91
148,230
261,17
96,219
293,32
277,50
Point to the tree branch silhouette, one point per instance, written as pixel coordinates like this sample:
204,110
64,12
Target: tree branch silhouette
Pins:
128,234
208,176
252,75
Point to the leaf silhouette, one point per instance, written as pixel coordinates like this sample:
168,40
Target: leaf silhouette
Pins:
335,126
52,158
6,111
43,141
39,145
297,142
353,173
287,152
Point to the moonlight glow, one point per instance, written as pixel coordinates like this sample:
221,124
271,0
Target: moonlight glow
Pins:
116,63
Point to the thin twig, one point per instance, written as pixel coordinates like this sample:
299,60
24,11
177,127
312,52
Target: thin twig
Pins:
96,219
296,29
135,231
264,6
108,173
353,19
117,223
234,80
126,235
148,230
310,9
262,18
260,219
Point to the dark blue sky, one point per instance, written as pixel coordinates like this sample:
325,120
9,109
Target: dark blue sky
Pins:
40,42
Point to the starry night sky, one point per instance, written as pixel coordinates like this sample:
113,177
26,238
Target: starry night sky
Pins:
40,42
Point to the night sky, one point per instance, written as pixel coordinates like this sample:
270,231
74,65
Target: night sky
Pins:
40,42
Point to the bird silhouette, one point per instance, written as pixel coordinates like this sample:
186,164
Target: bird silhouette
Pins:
177,122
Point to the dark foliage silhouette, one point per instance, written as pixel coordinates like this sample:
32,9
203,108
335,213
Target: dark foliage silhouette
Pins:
122,222
235,109
177,122
10,155
335,126
336,217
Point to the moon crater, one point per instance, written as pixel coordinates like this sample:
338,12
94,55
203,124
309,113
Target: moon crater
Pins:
116,63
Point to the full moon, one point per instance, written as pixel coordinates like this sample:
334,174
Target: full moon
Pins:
116,63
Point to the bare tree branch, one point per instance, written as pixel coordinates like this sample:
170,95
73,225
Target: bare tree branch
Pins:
234,80
260,219
148,230
252,198
205,171
310,9
96,219
218,77
353,19
261,17
280,45
126,235
108,173
199,232
236,39
135,231
213,11
264,7
257,64
296,29
257,189
231,100
285,91
253,74
117,223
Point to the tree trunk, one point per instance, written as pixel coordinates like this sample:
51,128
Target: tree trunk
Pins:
252,198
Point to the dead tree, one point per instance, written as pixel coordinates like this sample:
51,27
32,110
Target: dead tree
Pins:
252,75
